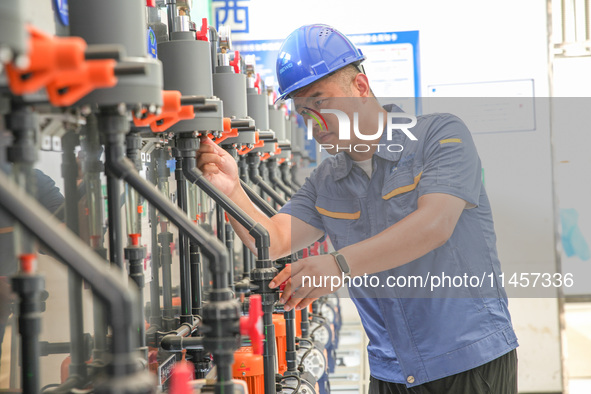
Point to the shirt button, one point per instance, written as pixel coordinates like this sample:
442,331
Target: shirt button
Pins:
410,379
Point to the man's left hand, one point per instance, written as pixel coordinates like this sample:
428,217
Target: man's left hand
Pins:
308,279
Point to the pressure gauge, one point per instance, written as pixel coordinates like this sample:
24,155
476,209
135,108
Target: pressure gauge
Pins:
327,311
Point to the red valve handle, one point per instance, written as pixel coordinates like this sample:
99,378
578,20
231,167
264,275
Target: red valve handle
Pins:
182,374
28,261
249,325
314,249
203,34
150,3
257,83
236,62
282,285
172,112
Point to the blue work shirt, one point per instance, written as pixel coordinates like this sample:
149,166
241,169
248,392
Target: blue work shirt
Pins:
418,333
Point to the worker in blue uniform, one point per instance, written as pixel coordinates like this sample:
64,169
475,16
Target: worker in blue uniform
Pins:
409,219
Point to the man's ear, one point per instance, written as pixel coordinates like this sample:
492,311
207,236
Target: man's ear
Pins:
361,84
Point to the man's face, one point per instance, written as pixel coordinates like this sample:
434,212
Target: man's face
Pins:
325,94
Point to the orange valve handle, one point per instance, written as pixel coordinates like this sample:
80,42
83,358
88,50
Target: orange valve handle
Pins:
225,135
228,132
47,56
172,112
265,156
258,144
236,62
251,325
244,150
67,87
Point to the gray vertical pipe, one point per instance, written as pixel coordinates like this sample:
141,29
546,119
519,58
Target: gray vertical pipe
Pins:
258,109
155,312
69,173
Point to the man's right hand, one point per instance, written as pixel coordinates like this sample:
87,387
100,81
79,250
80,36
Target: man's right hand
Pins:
218,166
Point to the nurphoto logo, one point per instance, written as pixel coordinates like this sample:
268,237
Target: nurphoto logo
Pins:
395,122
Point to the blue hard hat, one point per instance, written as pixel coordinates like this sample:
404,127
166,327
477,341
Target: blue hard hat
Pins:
310,53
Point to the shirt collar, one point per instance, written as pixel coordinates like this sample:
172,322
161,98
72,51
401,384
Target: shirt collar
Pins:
397,138
343,163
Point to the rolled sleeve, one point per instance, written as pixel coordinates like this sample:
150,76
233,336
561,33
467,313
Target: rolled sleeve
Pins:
451,163
302,204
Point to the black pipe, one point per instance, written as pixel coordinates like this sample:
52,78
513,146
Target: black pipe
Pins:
253,161
114,126
173,343
135,254
294,182
247,255
240,123
276,181
70,174
210,245
165,239
229,238
291,353
305,323
130,69
264,271
94,52
108,284
93,167
222,312
155,312
246,261
184,263
171,13
193,100
258,200
29,287
196,279
285,174
48,348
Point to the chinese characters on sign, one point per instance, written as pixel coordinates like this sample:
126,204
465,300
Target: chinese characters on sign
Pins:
232,13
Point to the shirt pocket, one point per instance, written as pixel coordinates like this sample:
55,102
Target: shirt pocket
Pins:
400,193
338,217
